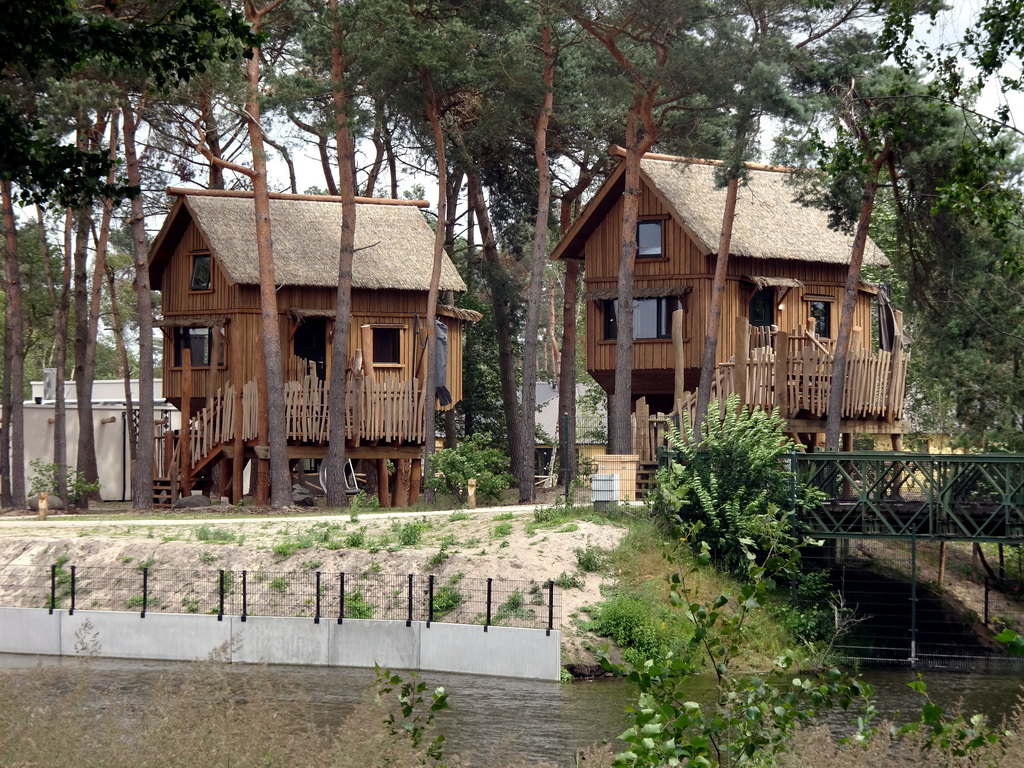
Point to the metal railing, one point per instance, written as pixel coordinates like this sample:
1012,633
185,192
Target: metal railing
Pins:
320,596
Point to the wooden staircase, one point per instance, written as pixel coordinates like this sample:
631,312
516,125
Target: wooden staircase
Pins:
163,492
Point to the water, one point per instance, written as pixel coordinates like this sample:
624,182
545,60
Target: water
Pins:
540,720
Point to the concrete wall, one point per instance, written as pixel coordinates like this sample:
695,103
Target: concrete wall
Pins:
500,651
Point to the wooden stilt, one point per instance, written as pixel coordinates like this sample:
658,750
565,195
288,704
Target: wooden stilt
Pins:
679,354
415,477
402,482
739,371
897,442
262,463
238,460
383,492
185,444
847,441
942,563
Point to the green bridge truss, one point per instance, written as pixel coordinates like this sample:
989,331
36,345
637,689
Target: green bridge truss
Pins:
872,494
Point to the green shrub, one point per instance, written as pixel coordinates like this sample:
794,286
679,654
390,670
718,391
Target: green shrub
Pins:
452,468
279,584
215,535
356,606
45,479
411,533
570,580
729,489
502,529
355,539
447,597
591,559
513,608
638,625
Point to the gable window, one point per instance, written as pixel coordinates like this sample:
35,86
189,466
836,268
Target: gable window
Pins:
648,239
203,344
762,307
387,345
820,309
201,273
652,318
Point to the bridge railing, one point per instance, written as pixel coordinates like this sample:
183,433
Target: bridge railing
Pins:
900,495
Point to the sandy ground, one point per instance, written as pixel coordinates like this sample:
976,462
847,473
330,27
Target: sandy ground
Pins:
502,543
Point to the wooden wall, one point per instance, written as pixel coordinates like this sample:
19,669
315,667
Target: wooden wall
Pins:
239,306
685,264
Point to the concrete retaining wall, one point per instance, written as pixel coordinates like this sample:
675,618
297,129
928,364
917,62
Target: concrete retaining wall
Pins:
500,651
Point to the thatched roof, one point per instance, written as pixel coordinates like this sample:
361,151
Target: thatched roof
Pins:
640,292
773,282
770,223
394,244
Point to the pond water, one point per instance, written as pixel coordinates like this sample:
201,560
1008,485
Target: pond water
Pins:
540,720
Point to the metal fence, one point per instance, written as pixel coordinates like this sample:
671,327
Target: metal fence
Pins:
901,614
313,594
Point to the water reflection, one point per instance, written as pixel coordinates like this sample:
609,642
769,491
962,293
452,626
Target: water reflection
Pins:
492,717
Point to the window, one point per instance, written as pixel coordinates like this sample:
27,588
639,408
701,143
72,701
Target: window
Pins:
201,273
652,318
821,311
762,307
204,345
387,345
648,239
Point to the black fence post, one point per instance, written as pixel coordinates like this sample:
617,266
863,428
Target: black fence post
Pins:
430,599
220,612
913,598
341,598
245,596
408,620
316,619
488,622
53,587
71,611
145,591
551,607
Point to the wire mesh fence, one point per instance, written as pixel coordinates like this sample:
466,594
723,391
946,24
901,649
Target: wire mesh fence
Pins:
897,610
312,594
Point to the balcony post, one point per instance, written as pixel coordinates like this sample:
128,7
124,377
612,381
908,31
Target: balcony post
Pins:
739,370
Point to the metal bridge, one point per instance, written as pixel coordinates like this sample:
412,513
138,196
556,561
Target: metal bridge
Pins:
876,495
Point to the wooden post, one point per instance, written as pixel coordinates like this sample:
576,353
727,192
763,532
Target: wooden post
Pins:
739,370
471,492
847,441
415,477
383,492
942,562
679,354
44,504
366,339
263,415
185,433
897,442
238,460
402,481
782,373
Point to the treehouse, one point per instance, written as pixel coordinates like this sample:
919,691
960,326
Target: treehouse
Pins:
204,262
781,310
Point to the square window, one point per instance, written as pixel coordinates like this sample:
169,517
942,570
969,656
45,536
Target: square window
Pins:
652,318
648,239
762,308
821,311
387,346
199,342
201,272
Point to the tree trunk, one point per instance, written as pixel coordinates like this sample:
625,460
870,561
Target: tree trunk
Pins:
525,456
335,489
277,436
14,378
430,428
117,326
142,488
502,317
714,326
839,359
85,461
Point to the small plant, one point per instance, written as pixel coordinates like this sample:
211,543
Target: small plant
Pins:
134,602
356,606
355,539
312,565
375,567
279,584
190,603
504,516
569,528
207,558
126,559
411,533
452,468
447,597
458,515
45,480
591,559
514,608
574,580
502,529
215,535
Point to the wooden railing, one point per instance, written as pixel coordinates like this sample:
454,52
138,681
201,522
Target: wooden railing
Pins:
390,410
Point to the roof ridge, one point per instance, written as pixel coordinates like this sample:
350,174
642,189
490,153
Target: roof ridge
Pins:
247,194
618,151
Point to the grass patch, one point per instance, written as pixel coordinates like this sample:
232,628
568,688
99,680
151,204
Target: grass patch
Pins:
214,535
501,530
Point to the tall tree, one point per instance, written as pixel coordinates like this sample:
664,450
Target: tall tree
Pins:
13,441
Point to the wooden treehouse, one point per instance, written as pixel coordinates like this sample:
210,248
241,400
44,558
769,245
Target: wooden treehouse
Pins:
205,264
786,277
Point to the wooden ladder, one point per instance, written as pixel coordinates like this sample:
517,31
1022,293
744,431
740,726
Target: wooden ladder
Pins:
645,477
163,492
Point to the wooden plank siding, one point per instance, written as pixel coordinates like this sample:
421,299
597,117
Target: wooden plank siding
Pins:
687,264
239,307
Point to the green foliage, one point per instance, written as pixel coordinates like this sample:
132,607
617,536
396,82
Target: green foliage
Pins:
215,535
733,484
591,559
639,625
566,580
45,480
513,608
447,597
411,533
452,468
356,606
279,584
502,529
417,713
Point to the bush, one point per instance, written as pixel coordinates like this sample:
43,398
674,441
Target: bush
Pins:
732,486
452,468
45,480
638,625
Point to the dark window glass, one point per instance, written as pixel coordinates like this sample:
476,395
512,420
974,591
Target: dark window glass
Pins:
199,341
200,272
648,239
310,343
821,311
762,308
387,346
652,318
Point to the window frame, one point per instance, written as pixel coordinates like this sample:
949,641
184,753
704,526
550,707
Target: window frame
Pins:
399,328
827,303
216,346
769,293
662,322
192,273
660,255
